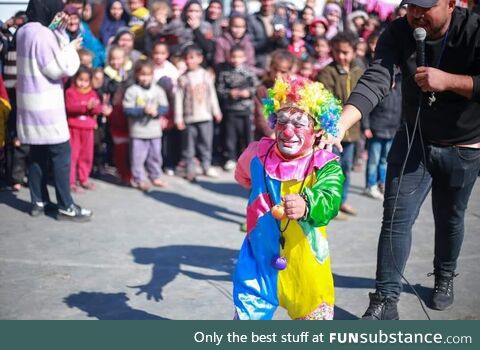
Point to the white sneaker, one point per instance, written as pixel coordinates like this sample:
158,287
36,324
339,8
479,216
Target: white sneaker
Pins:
373,192
230,165
211,172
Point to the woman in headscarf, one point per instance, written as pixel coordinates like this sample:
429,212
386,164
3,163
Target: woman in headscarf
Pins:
197,30
116,17
41,118
76,27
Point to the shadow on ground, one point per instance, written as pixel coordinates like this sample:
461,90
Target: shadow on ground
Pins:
169,261
188,203
107,306
225,188
9,198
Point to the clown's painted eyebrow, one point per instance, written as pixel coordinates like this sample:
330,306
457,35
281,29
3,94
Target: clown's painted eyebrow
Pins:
297,117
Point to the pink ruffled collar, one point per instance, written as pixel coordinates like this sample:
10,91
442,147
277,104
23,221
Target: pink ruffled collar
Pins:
284,170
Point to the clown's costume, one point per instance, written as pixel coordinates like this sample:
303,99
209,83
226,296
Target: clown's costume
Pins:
285,259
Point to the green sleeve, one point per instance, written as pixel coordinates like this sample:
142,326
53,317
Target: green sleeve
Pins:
325,196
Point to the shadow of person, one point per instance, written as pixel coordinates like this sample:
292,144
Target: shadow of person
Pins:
178,201
10,199
169,261
341,281
107,306
225,188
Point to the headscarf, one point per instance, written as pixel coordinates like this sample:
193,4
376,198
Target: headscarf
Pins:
110,26
187,5
43,11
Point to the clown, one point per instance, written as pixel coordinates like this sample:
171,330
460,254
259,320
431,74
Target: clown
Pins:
295,190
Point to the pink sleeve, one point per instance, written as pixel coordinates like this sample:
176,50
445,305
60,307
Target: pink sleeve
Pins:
242,171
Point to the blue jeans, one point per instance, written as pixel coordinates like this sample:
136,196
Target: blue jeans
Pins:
41,156
346,162
378,149
450,172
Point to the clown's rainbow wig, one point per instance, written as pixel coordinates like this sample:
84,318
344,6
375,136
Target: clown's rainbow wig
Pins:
311,97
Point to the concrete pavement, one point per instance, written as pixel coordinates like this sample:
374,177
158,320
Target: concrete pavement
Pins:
170,254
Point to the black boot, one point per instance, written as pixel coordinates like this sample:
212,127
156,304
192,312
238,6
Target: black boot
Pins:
381,308
442,295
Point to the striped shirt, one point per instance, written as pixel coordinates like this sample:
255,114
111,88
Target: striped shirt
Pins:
44,58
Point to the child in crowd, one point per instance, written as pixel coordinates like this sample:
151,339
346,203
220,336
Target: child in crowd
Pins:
306,68
340,77
115,72
86,57
118,125
196,104
281,65
297,45
103,139
333,15
125,38
236,34
361,53
139,16
115,17
239,6
145,105
166,75
156,25
295,190
321,54
82,106
236,87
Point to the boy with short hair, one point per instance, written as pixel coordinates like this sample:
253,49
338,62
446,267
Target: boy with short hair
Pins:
196,105
340,77
236,86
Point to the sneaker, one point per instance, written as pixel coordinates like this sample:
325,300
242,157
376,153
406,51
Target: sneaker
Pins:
74,213
442,295
38,208
348,209
229,165
381,308
169,172
16,187
211,172
373,192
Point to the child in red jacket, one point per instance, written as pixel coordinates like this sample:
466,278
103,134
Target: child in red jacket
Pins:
83,105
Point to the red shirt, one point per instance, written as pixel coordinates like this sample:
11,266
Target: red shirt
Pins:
78,114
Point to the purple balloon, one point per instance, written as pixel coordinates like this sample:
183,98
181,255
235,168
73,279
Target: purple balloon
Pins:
279,263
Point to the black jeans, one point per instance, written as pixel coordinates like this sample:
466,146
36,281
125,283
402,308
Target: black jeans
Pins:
450,172
238,134
41,157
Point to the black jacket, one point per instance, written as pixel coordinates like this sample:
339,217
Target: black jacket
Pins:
386,117
452,119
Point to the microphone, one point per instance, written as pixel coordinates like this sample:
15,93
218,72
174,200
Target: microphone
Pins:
420,34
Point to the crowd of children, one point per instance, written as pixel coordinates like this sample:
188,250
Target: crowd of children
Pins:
173,87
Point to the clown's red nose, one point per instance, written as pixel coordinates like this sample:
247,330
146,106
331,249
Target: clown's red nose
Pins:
288,132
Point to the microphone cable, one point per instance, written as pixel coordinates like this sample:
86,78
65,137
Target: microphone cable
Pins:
400,178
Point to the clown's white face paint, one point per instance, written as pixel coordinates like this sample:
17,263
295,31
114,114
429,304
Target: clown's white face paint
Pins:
294,133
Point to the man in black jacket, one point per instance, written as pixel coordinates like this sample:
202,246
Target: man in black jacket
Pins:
440,109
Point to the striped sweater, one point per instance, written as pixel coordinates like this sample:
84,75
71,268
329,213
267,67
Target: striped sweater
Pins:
44,58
